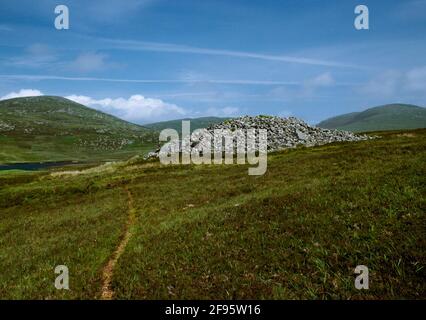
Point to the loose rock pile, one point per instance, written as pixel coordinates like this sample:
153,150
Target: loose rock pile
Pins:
4,126
282,133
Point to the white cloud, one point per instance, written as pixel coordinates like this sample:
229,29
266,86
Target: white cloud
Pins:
136,108
22,93
89,61
311,85
322,80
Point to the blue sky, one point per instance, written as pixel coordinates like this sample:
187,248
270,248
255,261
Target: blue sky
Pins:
151,60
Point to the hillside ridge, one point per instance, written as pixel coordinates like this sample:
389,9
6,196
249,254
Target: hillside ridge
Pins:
50,128
395,116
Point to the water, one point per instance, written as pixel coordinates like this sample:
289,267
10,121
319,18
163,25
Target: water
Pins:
34,165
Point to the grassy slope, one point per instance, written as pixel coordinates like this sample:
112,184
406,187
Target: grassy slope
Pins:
215,232
388,117
54,129
196,123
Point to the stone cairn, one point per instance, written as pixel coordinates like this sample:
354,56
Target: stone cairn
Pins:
282,133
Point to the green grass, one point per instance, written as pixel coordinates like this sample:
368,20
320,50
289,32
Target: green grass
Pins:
296,232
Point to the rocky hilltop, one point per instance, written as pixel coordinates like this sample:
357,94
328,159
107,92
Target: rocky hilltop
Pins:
282,133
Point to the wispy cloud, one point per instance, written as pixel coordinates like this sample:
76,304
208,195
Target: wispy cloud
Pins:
35,55
222,112
307,89
177,48
383,85
88,61
185,94
416,79
27,77
321,81
42,56
393,83
410,10
4,27
101,10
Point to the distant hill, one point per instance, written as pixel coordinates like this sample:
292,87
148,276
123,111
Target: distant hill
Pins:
196,123
51,128
386,117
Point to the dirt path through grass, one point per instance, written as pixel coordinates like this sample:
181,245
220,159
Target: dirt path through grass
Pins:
107,292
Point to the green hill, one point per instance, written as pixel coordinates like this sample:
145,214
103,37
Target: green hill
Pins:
55,129
196,123
386,117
